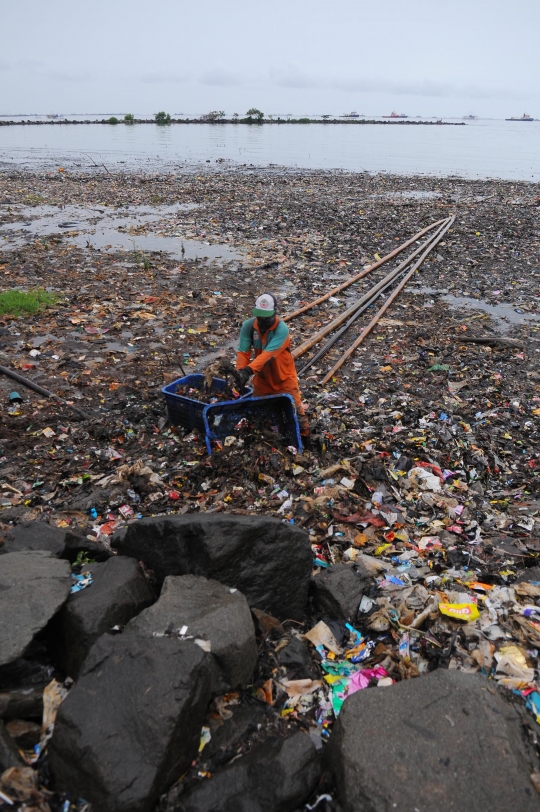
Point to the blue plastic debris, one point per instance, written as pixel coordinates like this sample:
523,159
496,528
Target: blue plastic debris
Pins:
392,579
357,637
80,581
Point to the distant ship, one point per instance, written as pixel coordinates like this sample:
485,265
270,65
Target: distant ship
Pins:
350,115
470,117
53,115
524,117
393,114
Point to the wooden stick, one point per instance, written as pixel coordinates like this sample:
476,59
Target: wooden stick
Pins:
366,331
328,328
491,341
360,275
41,391
336,336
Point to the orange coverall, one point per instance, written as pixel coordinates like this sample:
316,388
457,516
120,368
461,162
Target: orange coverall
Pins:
273,365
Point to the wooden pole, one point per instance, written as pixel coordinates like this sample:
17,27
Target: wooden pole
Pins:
41,391
353,279
328,328
366,331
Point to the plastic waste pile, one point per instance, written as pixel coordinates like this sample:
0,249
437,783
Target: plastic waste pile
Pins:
420,493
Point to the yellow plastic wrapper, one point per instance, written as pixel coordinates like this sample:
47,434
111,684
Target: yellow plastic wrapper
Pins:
460,611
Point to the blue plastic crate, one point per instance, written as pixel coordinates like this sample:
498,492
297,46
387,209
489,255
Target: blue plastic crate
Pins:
221,419
188,412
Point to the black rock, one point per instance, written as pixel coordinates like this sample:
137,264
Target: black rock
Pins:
528,576
24,733
296,658
61,542
267,560
34,670
12,514
276,776
22,703
443,741
337,591
212,611
118,592
9,755
33,587
131,725
229,735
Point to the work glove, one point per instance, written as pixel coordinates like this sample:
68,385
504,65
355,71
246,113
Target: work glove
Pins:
243,376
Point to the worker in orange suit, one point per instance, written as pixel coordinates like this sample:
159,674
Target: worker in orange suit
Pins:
273,369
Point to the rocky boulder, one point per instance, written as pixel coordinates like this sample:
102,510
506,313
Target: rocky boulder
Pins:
131,725
61,542
295,657
34,670
9,755
33,587
278,775
444,741
337,591
118,592
266,559
530,575
228,736
24,733
22,703
216,613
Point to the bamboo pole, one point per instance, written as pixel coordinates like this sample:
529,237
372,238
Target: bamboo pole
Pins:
331,341
366,331
353,279
41,391
328,328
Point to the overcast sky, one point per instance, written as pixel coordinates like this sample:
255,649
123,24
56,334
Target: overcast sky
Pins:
301,56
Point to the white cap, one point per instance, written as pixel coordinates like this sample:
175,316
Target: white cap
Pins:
264,305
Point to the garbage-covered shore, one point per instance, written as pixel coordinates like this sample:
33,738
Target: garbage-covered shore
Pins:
404,542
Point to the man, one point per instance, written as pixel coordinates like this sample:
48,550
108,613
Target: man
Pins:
273,366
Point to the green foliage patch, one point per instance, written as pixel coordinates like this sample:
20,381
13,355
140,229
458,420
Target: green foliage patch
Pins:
19,302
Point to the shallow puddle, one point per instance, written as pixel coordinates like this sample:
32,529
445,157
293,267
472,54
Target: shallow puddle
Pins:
503,312
110,231
207,358
115,346
417,194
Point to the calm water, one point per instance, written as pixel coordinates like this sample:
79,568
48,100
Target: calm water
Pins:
480,149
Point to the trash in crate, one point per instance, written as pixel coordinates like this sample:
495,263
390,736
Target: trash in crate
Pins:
207,396
272,417
187,398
